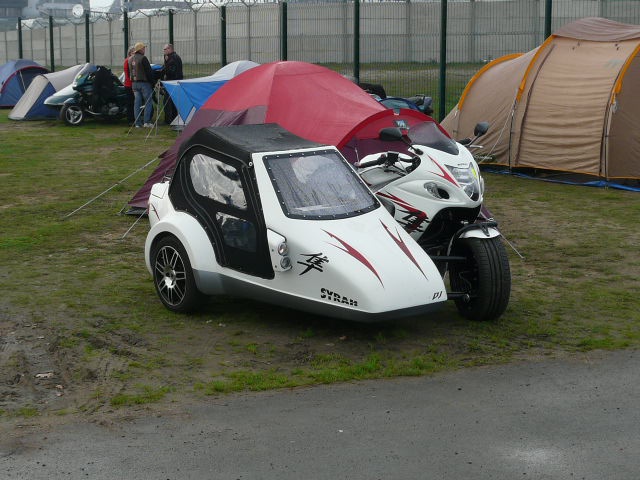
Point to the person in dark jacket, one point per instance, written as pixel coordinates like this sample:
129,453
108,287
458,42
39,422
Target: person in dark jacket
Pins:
172,70
142,82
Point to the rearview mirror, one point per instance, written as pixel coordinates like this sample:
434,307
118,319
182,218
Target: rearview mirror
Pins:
481,129
390,134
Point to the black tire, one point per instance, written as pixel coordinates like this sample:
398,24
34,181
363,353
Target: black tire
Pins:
72,115
485,277
173,276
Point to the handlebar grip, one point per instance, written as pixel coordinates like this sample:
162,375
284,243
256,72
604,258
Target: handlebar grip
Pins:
378,161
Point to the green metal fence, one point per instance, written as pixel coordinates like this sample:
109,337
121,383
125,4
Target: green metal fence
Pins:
410,47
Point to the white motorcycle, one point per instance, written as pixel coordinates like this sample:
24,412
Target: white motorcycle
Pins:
434,189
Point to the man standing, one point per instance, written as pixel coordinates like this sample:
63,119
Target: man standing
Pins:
172,70
142,82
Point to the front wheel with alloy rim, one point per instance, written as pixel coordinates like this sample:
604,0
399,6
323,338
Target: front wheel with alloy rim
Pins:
72,115
173,276
484,278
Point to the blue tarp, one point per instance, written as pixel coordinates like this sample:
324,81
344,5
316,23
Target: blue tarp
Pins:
189,95
557,178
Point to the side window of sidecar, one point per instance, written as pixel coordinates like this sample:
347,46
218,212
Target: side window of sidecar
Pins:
218,181
237,232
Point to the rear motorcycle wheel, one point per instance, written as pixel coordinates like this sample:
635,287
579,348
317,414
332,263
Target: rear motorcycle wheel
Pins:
485,277
72,115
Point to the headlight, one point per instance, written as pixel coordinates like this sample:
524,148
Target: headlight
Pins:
283,249
279,251
285,263
469,180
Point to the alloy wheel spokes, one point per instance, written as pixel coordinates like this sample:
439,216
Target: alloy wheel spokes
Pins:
170,275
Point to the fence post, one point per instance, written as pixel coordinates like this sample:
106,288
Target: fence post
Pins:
356,40
51,50
20,37
86,37
283,31
223,35
471,26
171,26
443,59
125,28
547,18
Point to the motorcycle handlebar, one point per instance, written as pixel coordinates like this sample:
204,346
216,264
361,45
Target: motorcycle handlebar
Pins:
381,160
388,158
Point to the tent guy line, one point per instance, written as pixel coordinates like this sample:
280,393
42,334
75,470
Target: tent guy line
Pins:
110,188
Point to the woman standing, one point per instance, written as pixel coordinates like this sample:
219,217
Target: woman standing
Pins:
128,88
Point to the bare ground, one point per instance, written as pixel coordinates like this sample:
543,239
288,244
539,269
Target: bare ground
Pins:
59,364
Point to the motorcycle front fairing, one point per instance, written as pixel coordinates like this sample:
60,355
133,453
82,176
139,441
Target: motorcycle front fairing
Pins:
70,94
58,99
292,227
441,181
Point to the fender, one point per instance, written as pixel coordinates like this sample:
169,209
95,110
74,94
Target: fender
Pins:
75,100
481,231
192,236
475,230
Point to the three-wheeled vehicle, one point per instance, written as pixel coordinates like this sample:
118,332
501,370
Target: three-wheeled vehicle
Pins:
255,211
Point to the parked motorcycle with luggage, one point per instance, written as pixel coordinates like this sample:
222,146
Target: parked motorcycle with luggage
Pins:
95,93
419,102
433,187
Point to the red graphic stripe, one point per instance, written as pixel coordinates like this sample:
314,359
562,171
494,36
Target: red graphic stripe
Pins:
419,215
403,247
355,254
444,174
398,201
153,207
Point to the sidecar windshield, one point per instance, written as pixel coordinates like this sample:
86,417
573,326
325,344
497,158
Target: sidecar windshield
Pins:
429,135
318,186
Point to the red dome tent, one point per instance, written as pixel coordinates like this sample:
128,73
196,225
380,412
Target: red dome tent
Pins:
310,101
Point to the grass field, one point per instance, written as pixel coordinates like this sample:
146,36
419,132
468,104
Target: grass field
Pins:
83,332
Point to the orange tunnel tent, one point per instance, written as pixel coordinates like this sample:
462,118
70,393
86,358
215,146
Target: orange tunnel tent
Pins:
567,106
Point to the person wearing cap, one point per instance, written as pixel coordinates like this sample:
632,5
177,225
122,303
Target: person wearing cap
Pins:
172,70
142,82
128,88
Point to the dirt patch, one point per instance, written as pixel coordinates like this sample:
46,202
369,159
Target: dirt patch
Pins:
47,375
29,375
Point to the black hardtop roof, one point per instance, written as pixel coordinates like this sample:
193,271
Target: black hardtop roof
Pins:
240,141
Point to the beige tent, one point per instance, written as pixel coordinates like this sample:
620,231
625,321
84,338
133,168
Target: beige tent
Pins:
570,105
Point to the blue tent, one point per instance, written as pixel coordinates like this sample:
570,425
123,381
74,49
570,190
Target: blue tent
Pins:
15,78
31,105
189,95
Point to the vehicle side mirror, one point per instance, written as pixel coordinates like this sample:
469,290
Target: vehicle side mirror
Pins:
481,129
390,134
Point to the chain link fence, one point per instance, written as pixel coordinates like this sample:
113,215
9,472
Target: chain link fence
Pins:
399,44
